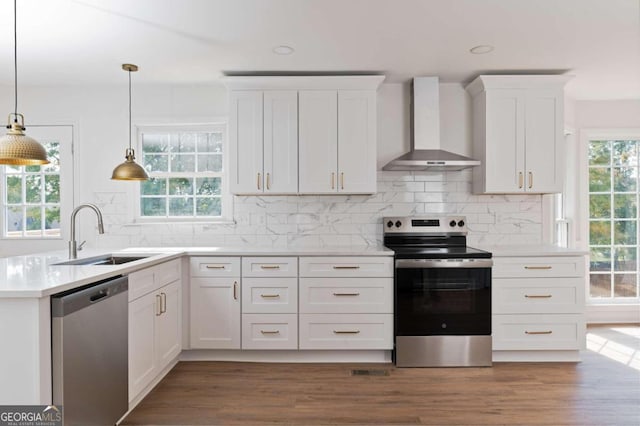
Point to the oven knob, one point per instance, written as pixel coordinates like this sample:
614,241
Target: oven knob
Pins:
452,223
461,223
444,325
398,224
389,224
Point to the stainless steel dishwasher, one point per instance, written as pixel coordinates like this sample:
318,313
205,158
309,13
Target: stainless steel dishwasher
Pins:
89,352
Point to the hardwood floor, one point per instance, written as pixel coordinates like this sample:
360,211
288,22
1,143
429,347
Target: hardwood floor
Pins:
601,390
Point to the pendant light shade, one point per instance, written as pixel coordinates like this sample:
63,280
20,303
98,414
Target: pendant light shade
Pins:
129,170
16,148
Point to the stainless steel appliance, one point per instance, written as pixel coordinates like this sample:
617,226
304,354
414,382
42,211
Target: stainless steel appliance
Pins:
442,315
89,352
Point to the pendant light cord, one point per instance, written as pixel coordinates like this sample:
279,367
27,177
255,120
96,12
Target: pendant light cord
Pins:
129,110
15,59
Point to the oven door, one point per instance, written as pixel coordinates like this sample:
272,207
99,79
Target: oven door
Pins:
443,297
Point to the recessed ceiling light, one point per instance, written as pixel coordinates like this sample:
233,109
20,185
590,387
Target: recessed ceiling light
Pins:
481,50
283,50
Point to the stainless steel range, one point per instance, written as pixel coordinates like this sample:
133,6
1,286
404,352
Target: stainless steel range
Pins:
442,293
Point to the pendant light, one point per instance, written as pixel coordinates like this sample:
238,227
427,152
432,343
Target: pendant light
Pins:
129,170
16,148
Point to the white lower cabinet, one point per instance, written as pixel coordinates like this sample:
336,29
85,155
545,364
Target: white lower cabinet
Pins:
155,326
538,308
270,331
215,313
346,331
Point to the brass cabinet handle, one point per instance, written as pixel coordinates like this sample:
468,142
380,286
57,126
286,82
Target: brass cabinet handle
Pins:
530,180
346,294
537,296
163,303
158,305
269,296
538,332
259,181
333,177
270,266
215,266
235,290
268,182
342,180
270,331
346,267
520,180
346,331
538,267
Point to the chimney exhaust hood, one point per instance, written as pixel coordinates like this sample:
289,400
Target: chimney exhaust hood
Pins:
426,154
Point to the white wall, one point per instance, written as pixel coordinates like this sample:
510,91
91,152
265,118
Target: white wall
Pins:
100,119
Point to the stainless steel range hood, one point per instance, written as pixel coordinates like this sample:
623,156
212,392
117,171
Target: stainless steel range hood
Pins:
426,154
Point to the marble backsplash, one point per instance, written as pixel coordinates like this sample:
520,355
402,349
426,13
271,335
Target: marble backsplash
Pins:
338,220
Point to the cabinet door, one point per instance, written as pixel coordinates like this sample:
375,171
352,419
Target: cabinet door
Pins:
318,141
142,330
215,313
505,143
544,141
168,336
357,141
245,142
281,142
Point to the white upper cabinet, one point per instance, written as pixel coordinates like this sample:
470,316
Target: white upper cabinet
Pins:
263,141
518,133
304,135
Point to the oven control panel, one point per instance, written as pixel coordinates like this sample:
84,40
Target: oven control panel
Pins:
425,224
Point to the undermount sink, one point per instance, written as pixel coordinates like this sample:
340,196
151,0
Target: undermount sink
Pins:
109,259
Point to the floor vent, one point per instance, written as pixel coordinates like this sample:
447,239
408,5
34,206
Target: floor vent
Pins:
369,372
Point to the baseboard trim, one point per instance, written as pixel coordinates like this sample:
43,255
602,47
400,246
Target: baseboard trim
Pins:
613,314
536,356
366,356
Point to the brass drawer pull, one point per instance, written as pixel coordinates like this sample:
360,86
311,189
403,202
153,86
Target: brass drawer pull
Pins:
346,267
259,181
333,177
520,180
346,331
163,303
268,182
235,290
341,180
538,296
270,331
538,332
270,266
158,305
346,294
215,266
269,296
530,180
538,267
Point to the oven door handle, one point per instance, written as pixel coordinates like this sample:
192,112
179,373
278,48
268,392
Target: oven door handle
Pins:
443,263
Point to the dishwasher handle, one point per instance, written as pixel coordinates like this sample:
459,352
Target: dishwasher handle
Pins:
68,302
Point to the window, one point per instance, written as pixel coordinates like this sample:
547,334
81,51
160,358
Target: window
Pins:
613,219
33,196
187,173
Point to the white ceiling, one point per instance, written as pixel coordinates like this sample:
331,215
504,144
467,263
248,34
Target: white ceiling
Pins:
195,41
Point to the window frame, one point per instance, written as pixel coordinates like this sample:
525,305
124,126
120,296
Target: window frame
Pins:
225,196
586,136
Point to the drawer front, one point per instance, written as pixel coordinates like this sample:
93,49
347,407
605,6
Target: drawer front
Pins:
538,296
538,332
269,266
346,331
168,272
270,295
215,266
538,267
347,266
142,282
346,295
269,331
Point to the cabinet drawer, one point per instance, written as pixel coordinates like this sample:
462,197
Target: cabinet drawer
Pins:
538,267
270,295
354,266
150,279
538,332
168,272
269,266
346,331
215,266
269,331
538,296
346,295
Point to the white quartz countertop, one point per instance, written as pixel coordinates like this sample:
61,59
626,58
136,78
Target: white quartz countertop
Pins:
532,250
36,275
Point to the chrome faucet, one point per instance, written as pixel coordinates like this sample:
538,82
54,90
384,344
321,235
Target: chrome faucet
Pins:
73,248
